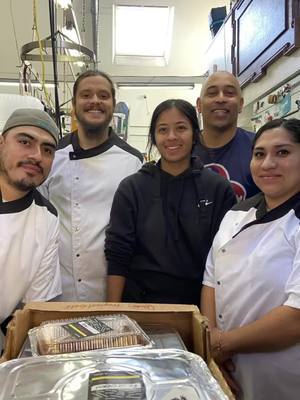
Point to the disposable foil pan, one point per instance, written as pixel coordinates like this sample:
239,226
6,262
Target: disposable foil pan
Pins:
141,374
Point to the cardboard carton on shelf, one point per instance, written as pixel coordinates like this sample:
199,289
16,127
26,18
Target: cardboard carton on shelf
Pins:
187,320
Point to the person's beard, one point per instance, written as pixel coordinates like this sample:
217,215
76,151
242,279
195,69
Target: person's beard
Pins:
91,130
23,185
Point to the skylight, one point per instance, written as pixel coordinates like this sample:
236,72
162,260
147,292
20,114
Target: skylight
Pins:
142,34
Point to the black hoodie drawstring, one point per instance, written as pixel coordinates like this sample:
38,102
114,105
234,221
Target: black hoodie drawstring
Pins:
176,235
197,167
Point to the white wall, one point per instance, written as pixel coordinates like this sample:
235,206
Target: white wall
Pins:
142,103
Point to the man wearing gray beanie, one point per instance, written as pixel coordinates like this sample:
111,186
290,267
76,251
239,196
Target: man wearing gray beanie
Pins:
29,266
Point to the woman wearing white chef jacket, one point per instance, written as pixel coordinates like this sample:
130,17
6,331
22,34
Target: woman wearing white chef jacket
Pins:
251,291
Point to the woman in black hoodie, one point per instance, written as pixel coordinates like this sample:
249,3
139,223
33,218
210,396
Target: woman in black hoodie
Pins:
164,217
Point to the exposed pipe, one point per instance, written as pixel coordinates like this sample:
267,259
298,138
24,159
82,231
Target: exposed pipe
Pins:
95,23
52,18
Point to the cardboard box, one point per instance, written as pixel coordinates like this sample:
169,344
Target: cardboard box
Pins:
187,320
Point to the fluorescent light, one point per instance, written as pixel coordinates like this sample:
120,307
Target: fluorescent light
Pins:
156,86
148,41
148,47
34,84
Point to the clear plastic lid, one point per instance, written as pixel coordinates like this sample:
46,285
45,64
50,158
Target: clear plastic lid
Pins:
86,333
138,374
164,337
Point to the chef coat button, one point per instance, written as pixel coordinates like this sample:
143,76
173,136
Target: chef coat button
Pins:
220,316
218,282
79,280
77,178
77,255
223,251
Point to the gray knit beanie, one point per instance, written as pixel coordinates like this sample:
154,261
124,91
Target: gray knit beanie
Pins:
32,117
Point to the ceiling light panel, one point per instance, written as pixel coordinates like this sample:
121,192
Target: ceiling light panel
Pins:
135,35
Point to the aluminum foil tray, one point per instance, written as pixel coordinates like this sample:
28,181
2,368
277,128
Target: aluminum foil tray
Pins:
86,333
141,374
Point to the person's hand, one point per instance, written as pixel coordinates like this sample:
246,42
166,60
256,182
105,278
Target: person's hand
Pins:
224,361
227,368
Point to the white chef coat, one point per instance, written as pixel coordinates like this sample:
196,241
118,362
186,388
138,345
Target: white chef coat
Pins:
81,186
254,266
29,267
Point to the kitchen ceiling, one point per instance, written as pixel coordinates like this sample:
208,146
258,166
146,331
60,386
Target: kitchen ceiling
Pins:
94,20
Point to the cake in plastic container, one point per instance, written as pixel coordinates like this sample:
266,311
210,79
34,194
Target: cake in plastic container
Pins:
86,333
136,374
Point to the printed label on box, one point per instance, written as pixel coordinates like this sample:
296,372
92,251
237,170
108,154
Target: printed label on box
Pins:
116,385
86,328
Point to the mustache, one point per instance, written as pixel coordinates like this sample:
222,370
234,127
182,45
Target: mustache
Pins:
28,162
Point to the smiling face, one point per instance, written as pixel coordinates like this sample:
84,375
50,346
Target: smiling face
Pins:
275,166
220,101
26,155
174,140
94,103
